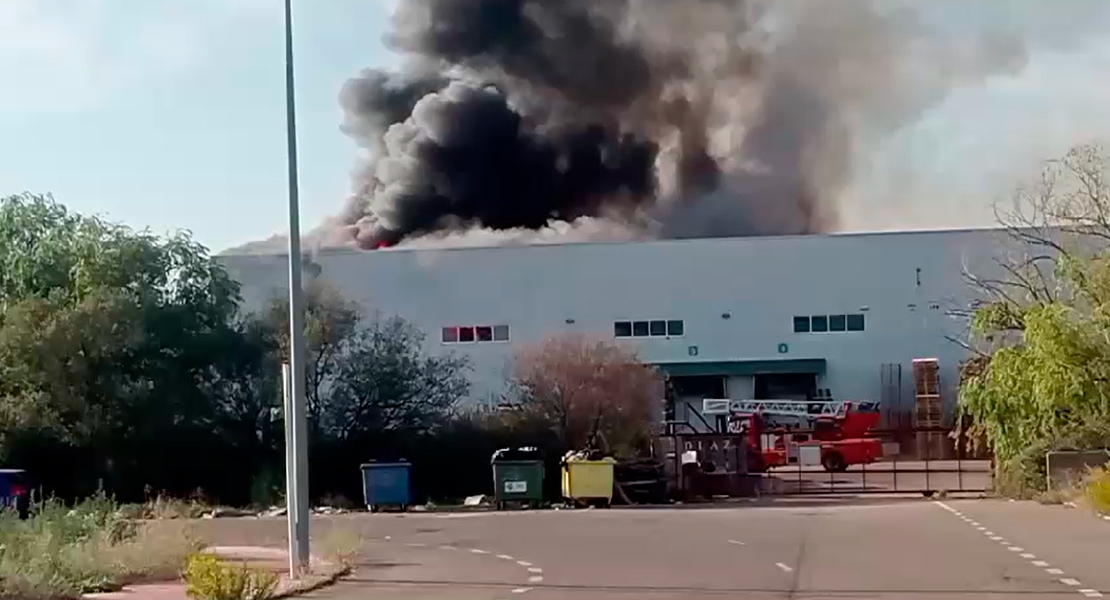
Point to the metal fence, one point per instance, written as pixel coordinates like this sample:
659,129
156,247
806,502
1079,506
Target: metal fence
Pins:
915,460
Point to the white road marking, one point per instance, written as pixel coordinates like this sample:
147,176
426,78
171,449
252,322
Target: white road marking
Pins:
523,563
535,579
387,538
521,590
535,570
1090,593
415,544
737,542
448,548
477,551
505,557
785,568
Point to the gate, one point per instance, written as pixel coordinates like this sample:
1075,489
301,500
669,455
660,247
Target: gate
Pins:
923,460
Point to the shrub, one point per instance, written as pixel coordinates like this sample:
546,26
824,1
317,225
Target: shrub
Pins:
63,551
209,578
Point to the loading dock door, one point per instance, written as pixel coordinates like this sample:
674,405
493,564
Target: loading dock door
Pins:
785,386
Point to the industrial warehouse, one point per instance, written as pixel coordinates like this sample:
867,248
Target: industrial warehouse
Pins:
790,317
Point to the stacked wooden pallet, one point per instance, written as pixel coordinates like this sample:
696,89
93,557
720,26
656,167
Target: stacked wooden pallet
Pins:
929,410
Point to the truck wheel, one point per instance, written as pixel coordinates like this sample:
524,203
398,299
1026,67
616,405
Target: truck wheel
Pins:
834,462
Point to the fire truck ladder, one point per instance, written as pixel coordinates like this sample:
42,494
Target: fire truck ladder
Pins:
791,408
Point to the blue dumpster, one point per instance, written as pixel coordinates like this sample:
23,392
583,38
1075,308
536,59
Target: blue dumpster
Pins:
386,484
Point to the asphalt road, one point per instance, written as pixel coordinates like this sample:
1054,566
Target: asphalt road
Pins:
808,548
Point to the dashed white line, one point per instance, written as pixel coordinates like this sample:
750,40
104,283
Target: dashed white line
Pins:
415,544
1032,558
535,570
785,568
521,590
737,542
448,548
387,538
505,557
478,551
535,579
523,563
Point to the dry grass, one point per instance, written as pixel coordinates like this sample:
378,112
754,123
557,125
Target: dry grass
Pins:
1096,489
62,552
164,507
340,544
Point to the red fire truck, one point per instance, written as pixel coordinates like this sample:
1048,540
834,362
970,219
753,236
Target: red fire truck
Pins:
779,431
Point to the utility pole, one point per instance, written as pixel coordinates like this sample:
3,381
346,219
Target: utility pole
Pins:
298,509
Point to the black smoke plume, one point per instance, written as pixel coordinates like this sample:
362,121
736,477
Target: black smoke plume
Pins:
639,118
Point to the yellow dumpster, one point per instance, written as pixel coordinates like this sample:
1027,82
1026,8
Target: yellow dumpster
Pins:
588,481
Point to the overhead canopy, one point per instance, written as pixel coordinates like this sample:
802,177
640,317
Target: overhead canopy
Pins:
727,368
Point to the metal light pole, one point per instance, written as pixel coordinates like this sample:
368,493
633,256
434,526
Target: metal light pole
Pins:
298,506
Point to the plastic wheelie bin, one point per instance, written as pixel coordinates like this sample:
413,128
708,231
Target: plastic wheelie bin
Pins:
386,484
588,481
517,476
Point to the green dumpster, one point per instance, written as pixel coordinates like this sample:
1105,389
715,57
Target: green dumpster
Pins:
517,476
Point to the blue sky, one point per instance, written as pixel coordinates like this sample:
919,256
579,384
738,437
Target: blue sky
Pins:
168,114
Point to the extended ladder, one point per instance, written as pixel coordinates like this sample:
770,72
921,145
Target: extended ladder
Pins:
791,408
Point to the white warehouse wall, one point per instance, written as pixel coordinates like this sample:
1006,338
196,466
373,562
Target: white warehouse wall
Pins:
904,283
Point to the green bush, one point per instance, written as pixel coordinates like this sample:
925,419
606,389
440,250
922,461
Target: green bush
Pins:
64,552
209,578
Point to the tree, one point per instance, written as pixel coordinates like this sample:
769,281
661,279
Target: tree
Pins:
1043,332
589,391
364,376
331,325
107,339
371,389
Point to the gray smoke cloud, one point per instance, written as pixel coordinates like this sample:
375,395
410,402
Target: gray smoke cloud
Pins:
520,120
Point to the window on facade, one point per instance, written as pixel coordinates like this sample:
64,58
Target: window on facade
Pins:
658,328
676,328
855,323
473,334
819,323
801,324
838,323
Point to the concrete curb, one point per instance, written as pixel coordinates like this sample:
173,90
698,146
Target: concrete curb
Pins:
175,590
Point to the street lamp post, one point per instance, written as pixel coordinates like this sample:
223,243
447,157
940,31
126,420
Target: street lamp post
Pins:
297,455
